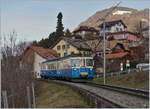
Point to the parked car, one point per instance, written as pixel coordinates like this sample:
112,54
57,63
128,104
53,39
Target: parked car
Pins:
142,66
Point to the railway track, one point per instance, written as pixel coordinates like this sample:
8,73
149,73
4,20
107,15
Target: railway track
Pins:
134,92
111,96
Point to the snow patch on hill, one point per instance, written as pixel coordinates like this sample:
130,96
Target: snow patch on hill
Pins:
120,12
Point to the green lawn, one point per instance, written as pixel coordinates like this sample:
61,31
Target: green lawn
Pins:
51,95
135,80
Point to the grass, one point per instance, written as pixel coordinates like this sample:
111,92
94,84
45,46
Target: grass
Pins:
51,95
139,80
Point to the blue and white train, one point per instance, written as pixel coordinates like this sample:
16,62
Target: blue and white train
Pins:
69,67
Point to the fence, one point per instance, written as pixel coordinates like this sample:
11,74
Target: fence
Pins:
111,74
6,99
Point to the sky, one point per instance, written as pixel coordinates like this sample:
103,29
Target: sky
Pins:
36,19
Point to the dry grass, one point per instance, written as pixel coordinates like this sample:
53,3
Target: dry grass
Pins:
138,80
51,95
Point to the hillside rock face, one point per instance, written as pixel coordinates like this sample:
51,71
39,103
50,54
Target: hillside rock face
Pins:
131,17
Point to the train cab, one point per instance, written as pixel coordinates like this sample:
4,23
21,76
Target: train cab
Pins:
82,67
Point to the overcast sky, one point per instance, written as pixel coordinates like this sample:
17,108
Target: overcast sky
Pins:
36,19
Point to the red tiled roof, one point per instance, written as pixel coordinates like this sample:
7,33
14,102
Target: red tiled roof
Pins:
116,55
44,52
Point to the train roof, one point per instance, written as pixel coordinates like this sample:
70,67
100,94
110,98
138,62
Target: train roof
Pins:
65,57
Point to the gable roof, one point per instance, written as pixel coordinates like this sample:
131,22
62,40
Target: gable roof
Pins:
43,52
85,28
116,55
118,46
78,43
112,23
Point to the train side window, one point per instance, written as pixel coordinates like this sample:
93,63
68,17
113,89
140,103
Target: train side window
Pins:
55,65
58,66
66,64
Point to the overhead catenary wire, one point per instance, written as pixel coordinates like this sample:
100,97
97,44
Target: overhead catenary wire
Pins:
104,38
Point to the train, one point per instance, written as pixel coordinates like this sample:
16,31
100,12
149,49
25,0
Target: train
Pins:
71,67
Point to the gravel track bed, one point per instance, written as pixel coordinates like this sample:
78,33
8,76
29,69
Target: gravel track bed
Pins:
117,97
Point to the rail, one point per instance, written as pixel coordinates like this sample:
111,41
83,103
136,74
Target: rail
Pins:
131,91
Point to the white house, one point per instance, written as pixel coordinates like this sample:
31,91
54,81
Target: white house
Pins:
113,26
35,56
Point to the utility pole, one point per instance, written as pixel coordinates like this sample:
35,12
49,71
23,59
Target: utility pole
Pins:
104,48
104,39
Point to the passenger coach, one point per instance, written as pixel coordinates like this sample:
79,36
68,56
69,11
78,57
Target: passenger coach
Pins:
69,67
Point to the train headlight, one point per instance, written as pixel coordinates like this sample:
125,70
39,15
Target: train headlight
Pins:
91,69
74,69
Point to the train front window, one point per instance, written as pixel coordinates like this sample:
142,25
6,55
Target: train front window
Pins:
89,62
75,62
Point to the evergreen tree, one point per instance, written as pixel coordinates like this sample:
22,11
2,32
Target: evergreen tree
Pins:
59,28
67,33
54,36
35,43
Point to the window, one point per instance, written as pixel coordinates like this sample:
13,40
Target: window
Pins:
68,46
72,52
119,23
58,47
84,53
66,64
76,62
65,54
63,47
49,66
89,62
59,54
117,29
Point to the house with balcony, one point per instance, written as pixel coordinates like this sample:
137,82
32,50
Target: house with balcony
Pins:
124,37
113,26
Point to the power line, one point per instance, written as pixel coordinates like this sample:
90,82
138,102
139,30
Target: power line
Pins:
104,39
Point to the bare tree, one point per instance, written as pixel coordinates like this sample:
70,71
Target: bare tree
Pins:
15,79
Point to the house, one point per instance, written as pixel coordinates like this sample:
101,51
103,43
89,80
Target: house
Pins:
140,53
125,37
34,55
113,26
115,59
118,54
66,46
85,32
145,32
